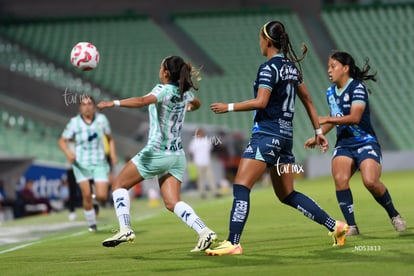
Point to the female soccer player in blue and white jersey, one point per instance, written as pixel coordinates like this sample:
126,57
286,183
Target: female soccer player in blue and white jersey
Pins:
357,145
277,82
87,131
163,156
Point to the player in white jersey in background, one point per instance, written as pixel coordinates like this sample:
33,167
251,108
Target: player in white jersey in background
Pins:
163,156
87,131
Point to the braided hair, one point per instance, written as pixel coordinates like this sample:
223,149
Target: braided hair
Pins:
275,31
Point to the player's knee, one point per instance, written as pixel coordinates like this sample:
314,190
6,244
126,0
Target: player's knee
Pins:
101,197
341,181
371,183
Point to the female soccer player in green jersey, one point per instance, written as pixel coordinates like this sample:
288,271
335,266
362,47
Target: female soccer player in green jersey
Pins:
87,131
163,156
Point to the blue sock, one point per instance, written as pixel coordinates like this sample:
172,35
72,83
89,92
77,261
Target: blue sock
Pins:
310,209
346,203
239,212
386,202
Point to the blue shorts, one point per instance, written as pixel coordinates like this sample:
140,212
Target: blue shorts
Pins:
270,149
360,152
151,164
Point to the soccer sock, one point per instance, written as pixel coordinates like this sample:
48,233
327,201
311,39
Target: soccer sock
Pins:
310,209
90,216
346,203
122,204
239,212
189,216
386,202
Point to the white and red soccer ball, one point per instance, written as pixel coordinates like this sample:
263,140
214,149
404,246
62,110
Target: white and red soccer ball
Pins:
84,56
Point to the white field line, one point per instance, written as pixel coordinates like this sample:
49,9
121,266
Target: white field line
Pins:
24,245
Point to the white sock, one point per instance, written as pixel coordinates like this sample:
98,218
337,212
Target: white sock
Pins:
187,215
90,216
122,204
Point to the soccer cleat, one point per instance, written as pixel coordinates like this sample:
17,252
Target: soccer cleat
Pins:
399,223
92,228
225,248
207,237
72,216
126,234
339,233
352,230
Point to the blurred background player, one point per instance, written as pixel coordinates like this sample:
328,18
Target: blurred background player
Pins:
163,156
357,146
87,131
200,149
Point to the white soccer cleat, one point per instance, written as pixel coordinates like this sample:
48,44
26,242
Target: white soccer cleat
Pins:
72,216
126,234
92,228
207,237
352,230
399,223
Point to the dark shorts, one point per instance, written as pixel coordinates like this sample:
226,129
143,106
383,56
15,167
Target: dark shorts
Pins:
360,153
270,149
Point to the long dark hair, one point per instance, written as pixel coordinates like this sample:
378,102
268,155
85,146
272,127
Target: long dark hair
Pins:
354,71
181,72
275,31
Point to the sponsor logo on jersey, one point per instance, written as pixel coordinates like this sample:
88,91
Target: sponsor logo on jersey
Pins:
92,137
346,97
289,72
359,91
265,74
265,79
359,97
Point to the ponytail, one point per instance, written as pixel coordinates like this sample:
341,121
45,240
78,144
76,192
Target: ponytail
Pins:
181,73
276,33
354,71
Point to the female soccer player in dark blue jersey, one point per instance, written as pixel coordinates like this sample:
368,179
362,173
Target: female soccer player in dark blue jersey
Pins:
357,146
277,82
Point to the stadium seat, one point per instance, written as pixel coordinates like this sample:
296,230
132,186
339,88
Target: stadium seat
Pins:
22,136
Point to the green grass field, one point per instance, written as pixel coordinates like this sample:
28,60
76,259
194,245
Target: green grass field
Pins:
277,240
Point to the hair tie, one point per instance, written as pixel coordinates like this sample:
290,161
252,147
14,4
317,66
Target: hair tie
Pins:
266,34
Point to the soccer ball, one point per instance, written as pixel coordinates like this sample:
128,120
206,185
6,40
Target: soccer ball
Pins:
84,56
